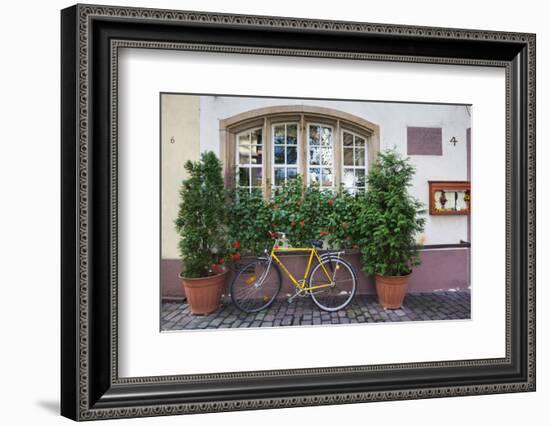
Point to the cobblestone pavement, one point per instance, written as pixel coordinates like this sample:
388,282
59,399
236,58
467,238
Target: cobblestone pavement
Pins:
302,311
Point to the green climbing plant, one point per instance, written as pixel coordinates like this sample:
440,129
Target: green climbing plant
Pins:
249,222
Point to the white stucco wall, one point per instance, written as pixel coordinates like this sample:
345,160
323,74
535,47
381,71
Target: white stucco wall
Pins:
393,119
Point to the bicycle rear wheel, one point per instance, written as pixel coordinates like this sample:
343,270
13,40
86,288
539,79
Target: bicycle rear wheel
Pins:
256,285
344,284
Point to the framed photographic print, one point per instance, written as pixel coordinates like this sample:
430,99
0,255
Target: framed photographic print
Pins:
264,212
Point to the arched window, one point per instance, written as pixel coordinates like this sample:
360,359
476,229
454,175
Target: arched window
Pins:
266,147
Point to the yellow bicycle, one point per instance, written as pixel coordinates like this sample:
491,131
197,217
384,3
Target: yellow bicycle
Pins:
330,280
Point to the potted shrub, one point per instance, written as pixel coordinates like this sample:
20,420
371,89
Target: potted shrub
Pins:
201,226
389,221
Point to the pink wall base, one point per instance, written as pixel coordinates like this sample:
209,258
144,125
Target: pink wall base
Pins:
441,269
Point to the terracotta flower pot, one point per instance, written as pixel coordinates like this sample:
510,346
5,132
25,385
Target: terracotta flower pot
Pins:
204,294
391,290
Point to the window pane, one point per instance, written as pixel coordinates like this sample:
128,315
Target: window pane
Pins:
348,156
279,176
359,156
314,156
360,175
326,156
314,135
326,177
279,157
291,134
291,173
256,136
348,139
326,136
349,178
359,141
256,176
279,134
244,139
244,154
256,157
244,176
314,175
291,155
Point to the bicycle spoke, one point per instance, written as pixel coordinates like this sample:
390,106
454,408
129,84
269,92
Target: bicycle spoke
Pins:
343,284
255,286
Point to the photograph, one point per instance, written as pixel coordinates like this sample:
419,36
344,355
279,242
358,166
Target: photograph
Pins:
295,212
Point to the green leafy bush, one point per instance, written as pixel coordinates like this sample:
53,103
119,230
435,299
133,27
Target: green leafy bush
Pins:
342,219
249,222
300,212
287,211
315,210
389,218
202,217
382,222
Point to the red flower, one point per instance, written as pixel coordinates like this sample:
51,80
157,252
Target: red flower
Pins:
323,232
331,201
272,234
221,260
302,222
237,256
347,238
273,225
344,225
236,244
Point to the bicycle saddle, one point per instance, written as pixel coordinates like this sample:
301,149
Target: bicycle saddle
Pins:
315,243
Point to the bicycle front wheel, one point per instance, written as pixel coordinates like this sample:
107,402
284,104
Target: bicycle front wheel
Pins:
256,285
336,284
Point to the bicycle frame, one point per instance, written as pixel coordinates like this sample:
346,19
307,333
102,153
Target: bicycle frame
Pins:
312,255
248,276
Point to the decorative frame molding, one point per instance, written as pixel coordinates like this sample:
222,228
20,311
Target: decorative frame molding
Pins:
91,37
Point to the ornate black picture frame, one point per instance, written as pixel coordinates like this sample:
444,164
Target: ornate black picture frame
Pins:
91,37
